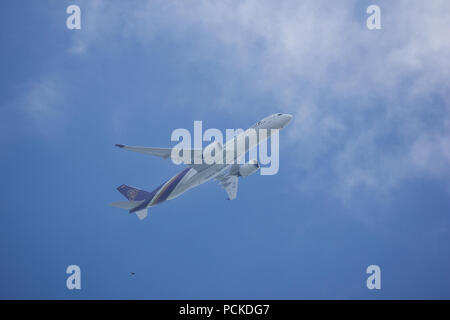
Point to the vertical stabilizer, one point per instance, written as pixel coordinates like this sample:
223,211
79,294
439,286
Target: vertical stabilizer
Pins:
133,194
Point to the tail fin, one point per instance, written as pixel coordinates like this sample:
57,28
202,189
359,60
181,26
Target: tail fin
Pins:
133,194
137,200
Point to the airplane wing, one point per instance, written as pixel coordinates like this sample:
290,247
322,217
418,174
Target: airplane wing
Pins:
229,181
164,153
196,155
159,152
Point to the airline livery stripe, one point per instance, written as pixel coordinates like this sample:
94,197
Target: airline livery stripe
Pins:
168,187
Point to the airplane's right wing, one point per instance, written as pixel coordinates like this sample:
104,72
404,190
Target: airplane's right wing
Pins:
230,184
229,181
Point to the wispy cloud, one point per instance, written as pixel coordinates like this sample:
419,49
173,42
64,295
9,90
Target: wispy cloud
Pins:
37,108
373,105
371,108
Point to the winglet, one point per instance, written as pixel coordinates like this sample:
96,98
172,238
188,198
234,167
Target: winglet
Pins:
119,145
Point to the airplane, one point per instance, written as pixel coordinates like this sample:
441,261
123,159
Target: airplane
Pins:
198,173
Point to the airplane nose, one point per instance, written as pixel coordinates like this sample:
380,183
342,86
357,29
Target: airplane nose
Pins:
286,119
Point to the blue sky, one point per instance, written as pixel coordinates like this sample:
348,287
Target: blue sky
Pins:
364,164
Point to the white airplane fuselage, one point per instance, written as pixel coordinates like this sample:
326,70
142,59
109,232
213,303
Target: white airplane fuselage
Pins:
196,174
194,178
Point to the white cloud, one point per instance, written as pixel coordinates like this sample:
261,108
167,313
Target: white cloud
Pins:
371,107
38,108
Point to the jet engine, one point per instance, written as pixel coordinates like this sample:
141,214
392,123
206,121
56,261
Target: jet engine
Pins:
248,168
212,150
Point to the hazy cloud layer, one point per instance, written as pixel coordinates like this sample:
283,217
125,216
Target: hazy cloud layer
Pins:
39,108
373,104
371,107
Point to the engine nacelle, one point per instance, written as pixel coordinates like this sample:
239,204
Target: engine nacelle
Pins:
248,168
212,151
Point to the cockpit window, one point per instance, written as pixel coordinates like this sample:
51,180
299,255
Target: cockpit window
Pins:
278,114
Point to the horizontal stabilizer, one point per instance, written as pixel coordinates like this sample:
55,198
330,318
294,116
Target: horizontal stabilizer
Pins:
130,205
141,214
127,204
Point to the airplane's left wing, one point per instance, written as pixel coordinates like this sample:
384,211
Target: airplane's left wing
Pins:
164,153
159,152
